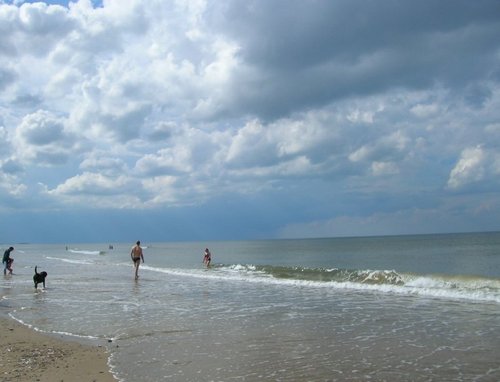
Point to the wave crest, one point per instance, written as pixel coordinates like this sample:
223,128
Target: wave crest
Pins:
379,277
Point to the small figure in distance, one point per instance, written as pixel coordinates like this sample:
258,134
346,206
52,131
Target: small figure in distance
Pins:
207,258
7,260
137,256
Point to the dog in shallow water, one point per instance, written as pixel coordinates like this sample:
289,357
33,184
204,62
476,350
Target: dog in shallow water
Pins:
39,278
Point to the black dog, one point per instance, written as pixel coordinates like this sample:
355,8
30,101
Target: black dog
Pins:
39,278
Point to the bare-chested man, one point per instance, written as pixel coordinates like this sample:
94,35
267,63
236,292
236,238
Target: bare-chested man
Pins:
137,256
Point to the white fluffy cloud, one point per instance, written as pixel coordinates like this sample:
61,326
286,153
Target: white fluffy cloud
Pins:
42,139
475,165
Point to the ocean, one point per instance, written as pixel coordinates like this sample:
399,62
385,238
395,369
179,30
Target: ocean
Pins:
395,308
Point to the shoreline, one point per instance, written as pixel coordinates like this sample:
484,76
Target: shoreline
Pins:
28,355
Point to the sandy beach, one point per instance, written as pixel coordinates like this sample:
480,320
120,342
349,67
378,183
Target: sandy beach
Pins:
27,355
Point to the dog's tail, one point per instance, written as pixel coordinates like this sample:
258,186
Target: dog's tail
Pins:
35,270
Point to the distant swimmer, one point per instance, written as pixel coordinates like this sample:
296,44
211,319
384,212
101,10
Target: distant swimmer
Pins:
207,258
137,256
7,260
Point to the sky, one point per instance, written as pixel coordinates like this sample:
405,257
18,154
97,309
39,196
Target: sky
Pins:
247,119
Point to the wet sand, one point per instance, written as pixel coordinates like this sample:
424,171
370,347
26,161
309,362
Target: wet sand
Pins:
27,355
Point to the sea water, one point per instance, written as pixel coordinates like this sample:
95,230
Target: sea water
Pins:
401,308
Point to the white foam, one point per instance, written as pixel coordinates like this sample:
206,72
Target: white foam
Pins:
71,261
84,252
426,286
36,329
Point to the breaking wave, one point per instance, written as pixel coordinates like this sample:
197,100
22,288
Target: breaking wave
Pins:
473,288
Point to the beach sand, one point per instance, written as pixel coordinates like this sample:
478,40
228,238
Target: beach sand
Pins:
27,355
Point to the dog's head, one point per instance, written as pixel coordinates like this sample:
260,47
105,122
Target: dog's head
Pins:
43,274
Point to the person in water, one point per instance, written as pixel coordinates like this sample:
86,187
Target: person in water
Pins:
137,256
7,260
207,258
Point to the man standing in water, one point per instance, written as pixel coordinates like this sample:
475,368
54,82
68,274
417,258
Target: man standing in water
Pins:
137,256
8,261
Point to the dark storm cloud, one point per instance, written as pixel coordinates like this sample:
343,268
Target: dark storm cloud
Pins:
299,54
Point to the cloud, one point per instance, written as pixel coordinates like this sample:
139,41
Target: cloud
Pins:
36,27
41,138
328,54
97,190
176,160
7,77
425,110
476,165
89,183
326,109
11,167
385,148
103,163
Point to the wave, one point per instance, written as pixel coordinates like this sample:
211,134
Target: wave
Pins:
331,275
472,288
84,252
70,261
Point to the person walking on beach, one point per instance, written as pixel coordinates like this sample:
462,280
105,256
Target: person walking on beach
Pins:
207,258
137,256
7,260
